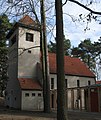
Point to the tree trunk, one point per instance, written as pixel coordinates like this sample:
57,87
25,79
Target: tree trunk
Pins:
61,96
46,85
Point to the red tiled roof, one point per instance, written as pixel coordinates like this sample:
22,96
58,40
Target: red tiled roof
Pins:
73,66
28,83
98,82
27,20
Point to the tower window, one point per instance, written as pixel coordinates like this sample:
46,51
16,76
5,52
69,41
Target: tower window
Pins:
29,37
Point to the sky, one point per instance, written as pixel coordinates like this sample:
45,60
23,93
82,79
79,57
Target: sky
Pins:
75,30
72,30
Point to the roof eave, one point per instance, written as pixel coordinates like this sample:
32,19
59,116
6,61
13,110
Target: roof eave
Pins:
31,89
19,24
75,75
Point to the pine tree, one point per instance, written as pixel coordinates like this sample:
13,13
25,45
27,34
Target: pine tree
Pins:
5,25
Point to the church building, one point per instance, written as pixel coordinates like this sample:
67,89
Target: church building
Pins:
24,88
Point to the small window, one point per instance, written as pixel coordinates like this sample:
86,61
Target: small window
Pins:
39,94
66,83
89,83
26,94
29,37
33,94
29,51
52,83
78,83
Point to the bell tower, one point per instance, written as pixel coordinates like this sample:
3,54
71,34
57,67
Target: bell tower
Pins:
28,47
23,90
24,51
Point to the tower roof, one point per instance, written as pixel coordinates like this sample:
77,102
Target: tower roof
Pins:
25,22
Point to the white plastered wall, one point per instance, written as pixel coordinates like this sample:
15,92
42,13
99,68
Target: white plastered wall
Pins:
27,61
32,102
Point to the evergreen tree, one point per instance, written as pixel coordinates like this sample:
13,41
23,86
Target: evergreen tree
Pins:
85,51
5,25
97,53
97,48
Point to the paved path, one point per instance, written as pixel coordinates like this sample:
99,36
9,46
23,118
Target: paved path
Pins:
6,114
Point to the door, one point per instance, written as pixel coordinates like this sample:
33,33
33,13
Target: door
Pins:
94,100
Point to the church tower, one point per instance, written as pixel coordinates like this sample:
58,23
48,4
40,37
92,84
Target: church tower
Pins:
24,54
24,51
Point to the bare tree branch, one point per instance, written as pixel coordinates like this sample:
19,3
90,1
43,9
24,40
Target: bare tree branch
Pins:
33,10
92,11
64,3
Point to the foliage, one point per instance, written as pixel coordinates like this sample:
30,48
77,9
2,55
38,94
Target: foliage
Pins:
97,52
85,52
4,27
88,52
3,69
97,48
67,46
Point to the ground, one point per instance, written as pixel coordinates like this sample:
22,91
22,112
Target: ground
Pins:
9,114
